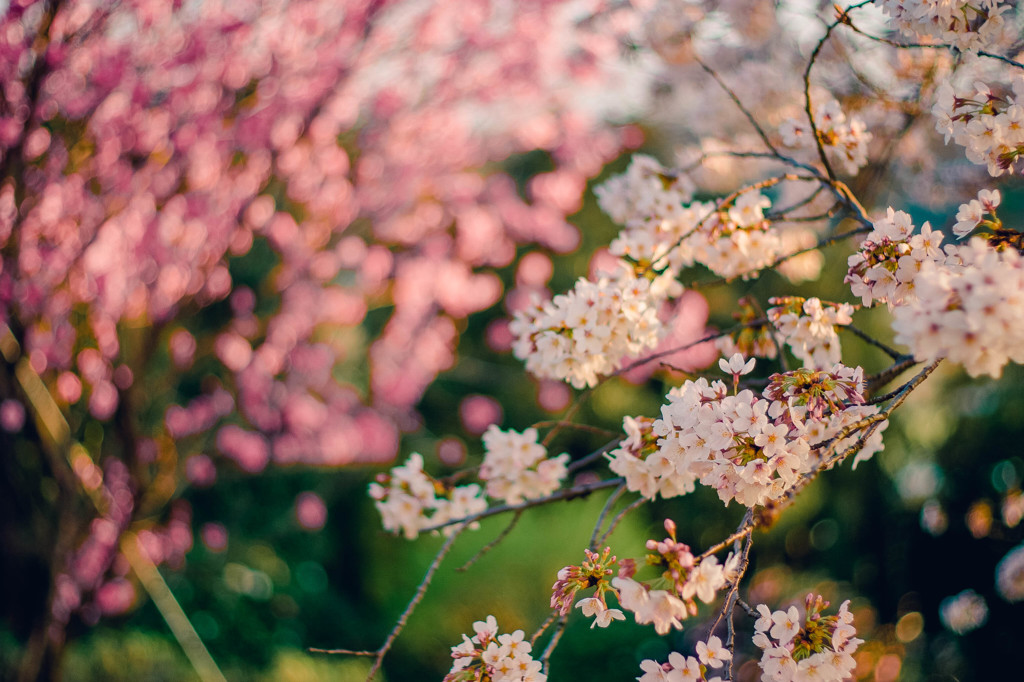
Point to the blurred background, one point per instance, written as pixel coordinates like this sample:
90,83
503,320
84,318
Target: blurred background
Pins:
254,252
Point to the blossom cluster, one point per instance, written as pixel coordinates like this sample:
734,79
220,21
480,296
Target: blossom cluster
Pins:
989,126
589,331
808,326
646,197
844,140
966,24
736,240
731,238
650,201
410,500
969,308
516,467
889,259
490,657
711,656
748,448
815,647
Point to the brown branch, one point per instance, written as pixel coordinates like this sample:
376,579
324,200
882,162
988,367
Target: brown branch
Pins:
556,636
739,104
555,613
888,350
902,364
618,519
564,494
616,494
932,46
731,600
561,423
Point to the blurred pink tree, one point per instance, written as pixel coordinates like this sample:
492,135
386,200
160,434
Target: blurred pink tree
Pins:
147,148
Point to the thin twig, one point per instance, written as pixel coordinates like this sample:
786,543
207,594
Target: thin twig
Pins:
616,494
380,653
593,456
687,346
739,104
780,214
932,46
544,626
888,350
740,571
493,543
882,398
747,608
817,218
545,658
564,494
566,419
902,364
731,600
745,528
807,103
618,519
561,423
740,154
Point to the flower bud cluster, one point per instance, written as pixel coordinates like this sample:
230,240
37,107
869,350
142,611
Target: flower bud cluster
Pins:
889,259
969,308
815,647
808,326
837,392
490,657
516,467
410,500
989,126
845,141
968,25
711,656
748,448
593,572
589,331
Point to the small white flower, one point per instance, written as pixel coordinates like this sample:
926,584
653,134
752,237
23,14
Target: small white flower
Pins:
605,618
787,624
736,365
713,654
